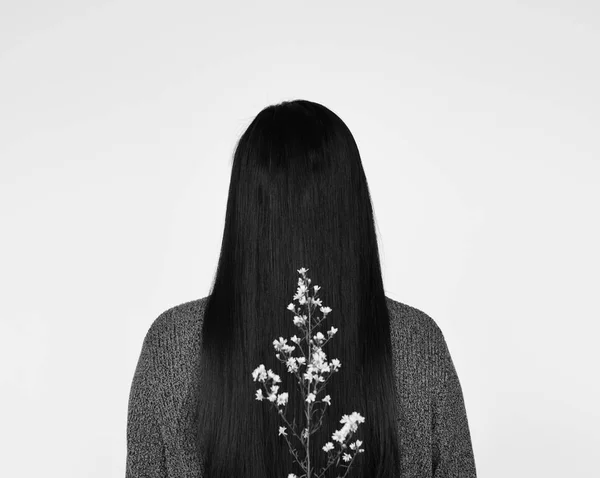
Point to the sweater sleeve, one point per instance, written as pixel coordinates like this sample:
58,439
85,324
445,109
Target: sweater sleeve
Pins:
452,448
145,449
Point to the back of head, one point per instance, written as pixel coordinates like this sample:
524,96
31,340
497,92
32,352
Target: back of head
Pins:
298,197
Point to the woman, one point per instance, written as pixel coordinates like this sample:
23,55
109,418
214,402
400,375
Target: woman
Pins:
298,197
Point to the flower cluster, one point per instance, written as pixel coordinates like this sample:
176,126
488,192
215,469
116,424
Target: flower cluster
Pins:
312,381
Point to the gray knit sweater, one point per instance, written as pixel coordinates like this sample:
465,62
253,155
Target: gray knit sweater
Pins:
432,422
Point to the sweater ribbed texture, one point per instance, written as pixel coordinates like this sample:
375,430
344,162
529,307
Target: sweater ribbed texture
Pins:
432,421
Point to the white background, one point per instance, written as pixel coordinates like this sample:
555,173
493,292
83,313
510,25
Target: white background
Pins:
478,126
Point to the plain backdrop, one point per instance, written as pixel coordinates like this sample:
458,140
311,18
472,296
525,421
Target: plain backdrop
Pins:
477,124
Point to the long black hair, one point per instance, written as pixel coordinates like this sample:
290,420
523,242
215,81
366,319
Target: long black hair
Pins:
298,198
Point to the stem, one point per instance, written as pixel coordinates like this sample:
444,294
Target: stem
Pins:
309,403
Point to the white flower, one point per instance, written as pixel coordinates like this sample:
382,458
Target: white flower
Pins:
327,399
274,388
300,293
291,475
273,376
319,358
311,397
356,444
302,300
291,307
278,344
259,395
336,364
316,287
347,457
259,373
319,337
291,364
282,431
301,360
295,339
331,332
317,301
299,320
272,397
282,398
328,446
325,310
302,271
339,435
310,376
354,417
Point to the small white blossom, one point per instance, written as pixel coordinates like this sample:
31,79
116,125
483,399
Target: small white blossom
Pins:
355,445
310,376
259,373
327,399
331,332
273,376
339,435
259,395
291,364
336,364
328,446
291,475
317,301
347,457
272,397
299,320
291,307
282,398
300,293
311,397
325,310
278,344
316,287
302,271
319,337
354,417
295,339
282,431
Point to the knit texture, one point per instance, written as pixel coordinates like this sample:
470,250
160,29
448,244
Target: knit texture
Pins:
432,420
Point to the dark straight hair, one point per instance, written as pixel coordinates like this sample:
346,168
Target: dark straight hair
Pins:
298,197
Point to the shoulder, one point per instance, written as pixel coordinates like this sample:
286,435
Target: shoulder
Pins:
179,323
418,341
410,321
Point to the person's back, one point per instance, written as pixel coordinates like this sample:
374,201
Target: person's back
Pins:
432,420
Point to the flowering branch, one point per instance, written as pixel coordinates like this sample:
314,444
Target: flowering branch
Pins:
315,372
